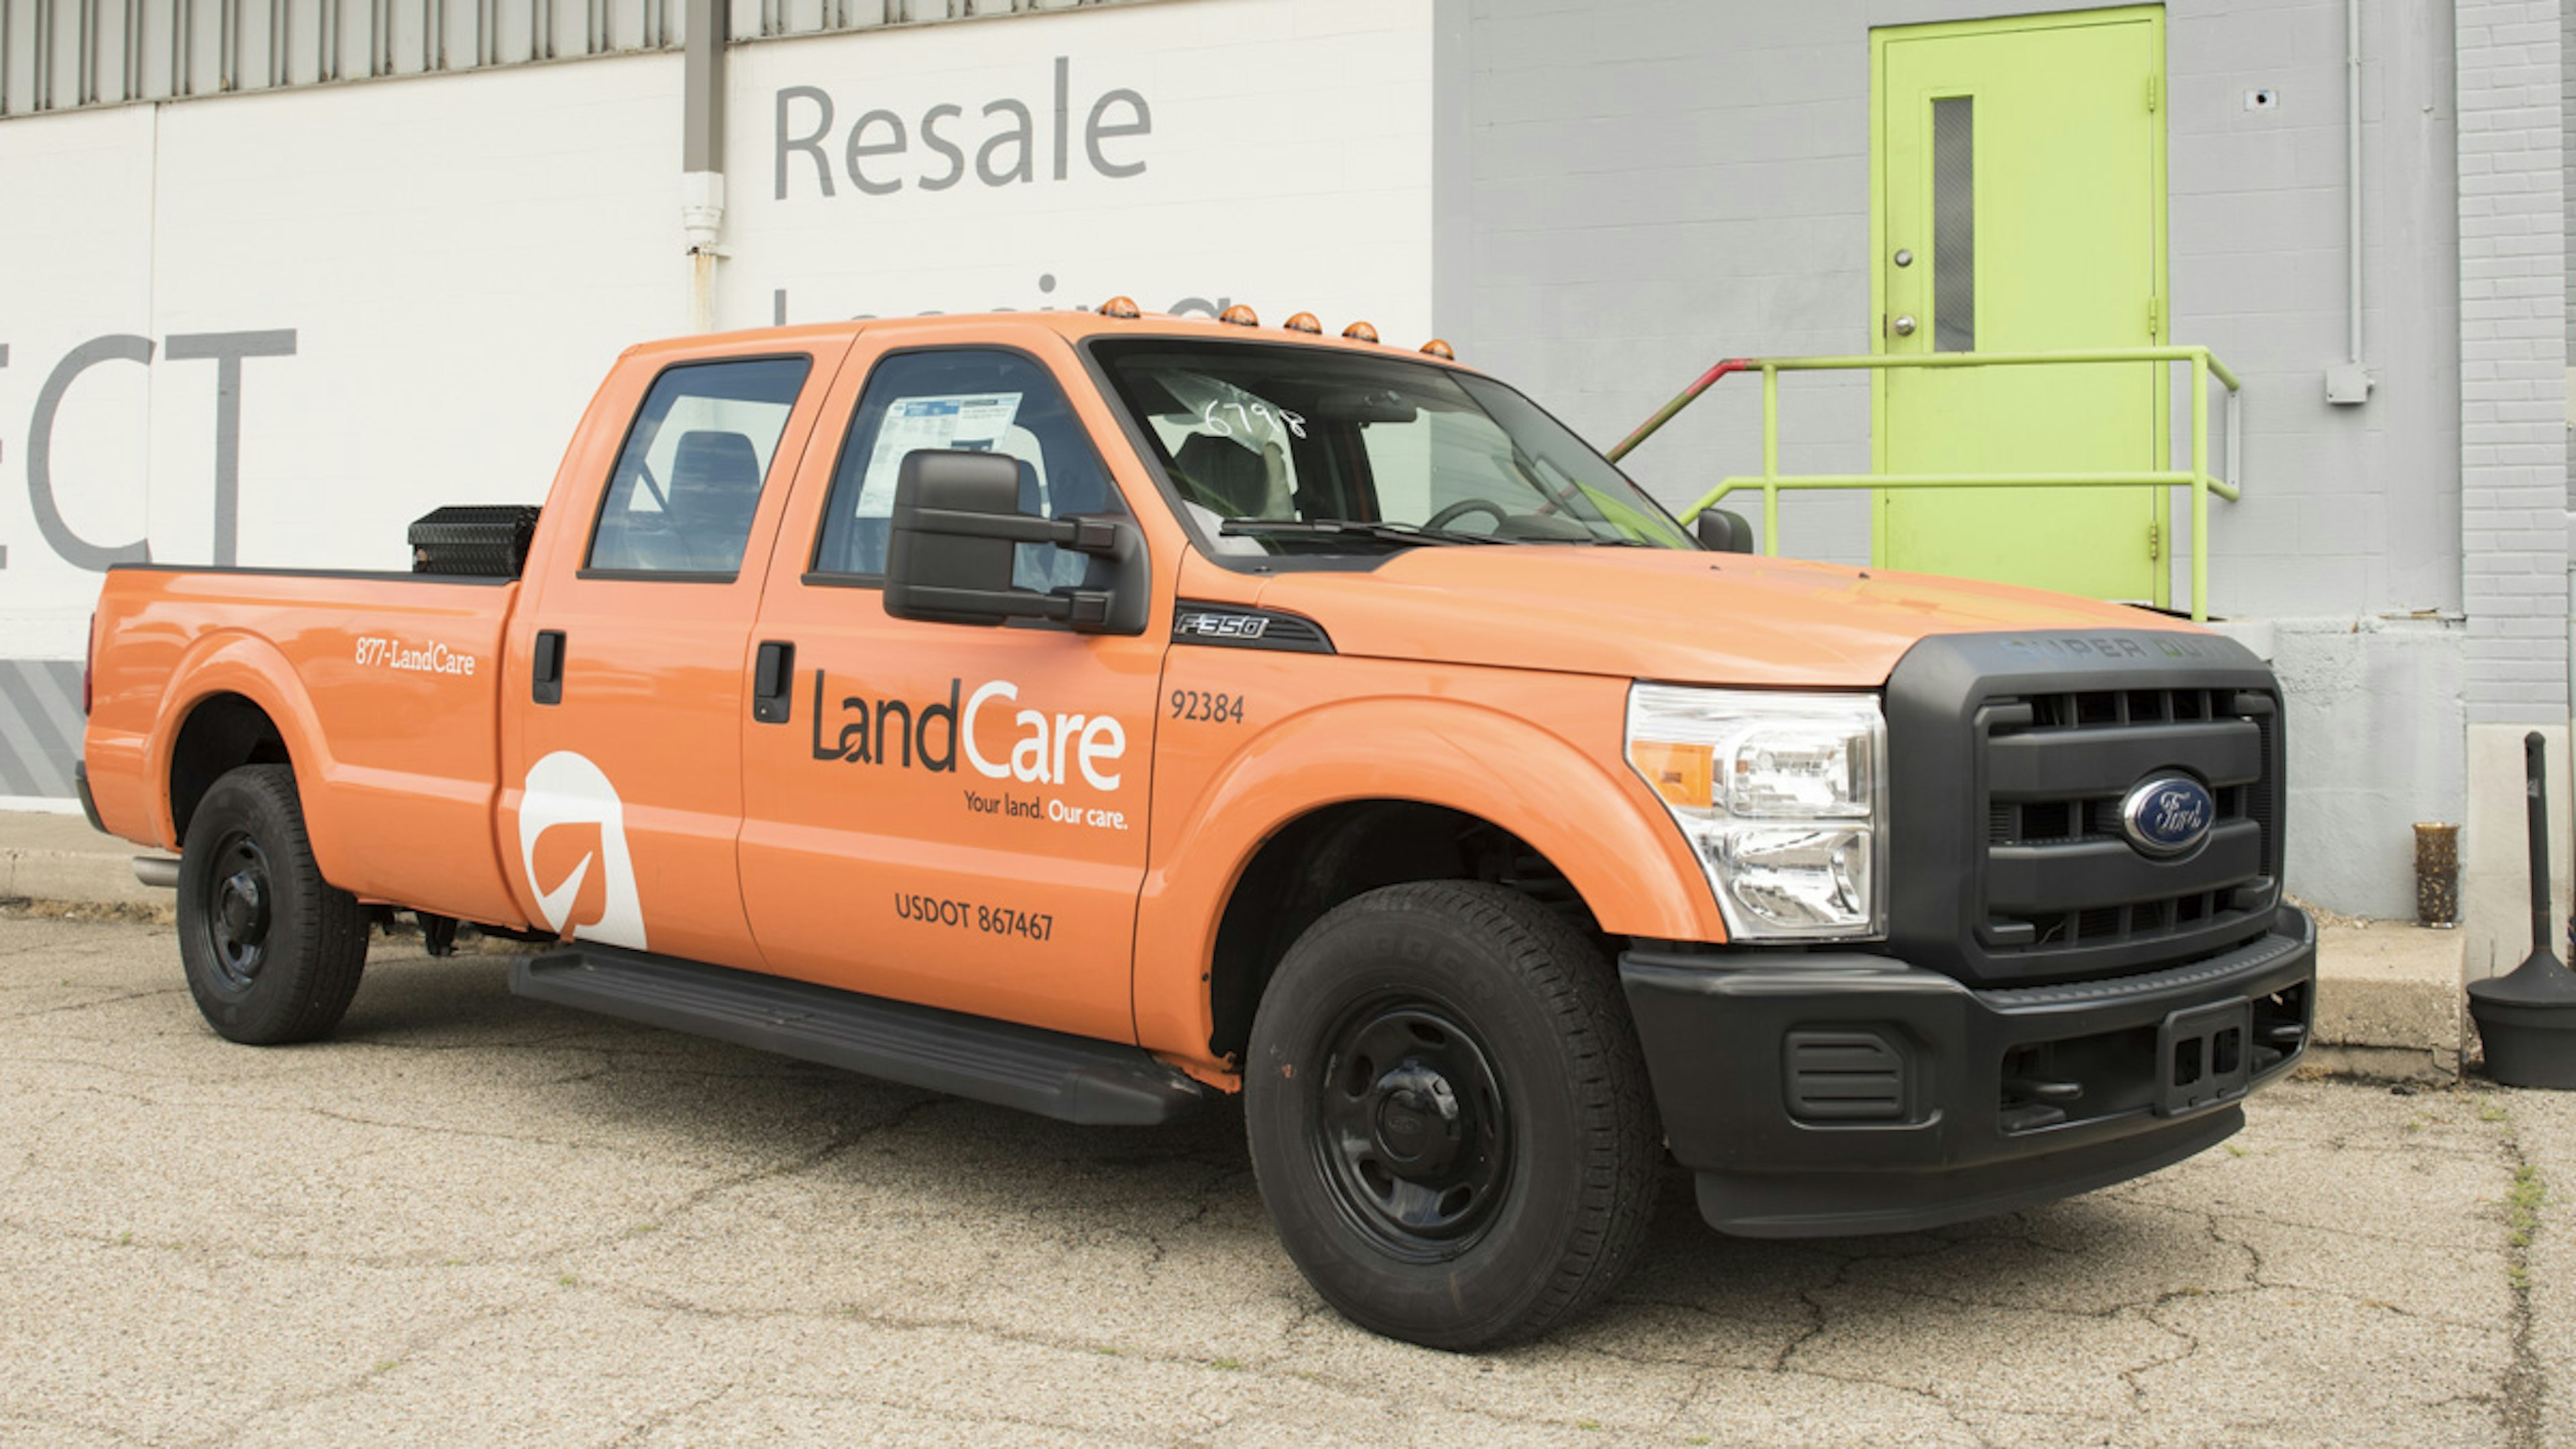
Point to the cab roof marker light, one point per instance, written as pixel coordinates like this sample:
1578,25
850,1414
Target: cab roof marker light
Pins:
1240,315
1304,322
1440,349
1360,332
1123,308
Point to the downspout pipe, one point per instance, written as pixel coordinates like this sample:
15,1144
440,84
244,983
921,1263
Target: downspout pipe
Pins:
2349,384
2352,159
702,182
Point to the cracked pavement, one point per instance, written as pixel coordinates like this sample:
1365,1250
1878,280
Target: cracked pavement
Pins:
472,1219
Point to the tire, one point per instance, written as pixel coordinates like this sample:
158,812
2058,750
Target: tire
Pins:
272,951
1449,1115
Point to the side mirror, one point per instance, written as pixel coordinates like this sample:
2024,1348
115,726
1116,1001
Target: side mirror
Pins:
948,554
1723,531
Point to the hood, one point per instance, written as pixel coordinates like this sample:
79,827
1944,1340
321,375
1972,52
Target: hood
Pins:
1679,615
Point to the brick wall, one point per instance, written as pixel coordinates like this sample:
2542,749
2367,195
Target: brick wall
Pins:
2513,360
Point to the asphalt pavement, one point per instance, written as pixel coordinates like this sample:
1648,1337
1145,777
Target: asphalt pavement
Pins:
469,1219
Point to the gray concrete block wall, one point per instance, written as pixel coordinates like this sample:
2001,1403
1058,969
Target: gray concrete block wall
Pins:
1649,186
1634,188
2513,356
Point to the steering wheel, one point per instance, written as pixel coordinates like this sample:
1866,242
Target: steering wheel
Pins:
1462,508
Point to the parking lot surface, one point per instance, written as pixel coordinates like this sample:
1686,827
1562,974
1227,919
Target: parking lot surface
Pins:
471,1219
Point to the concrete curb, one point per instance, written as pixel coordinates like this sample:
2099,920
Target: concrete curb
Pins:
59,858
2389,999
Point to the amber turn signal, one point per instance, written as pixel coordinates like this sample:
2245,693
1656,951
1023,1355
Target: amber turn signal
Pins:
1304,322
1240,315
1440,349
1120,307
1360,332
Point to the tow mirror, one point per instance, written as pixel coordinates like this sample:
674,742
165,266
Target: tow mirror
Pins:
948,555
1725,532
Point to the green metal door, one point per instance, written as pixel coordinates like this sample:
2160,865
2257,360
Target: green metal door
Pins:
2019,207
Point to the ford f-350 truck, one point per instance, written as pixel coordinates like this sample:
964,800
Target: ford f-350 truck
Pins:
1102,713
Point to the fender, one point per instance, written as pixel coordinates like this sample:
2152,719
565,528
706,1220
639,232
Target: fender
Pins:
1593,820
231,661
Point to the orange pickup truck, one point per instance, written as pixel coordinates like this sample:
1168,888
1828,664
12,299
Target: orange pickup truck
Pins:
1107,714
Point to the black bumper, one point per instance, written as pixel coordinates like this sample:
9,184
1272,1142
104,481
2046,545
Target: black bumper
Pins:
89,806
1833,1093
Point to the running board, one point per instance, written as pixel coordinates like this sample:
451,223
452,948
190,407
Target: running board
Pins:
1071,1078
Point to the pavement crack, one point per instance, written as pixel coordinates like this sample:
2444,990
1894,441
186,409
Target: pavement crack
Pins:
2525,1387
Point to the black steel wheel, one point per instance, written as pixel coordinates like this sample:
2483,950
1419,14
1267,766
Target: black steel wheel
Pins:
1449,1115
1413,1131
272,951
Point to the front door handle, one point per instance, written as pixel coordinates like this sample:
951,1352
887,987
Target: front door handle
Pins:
1902,326
546,677
772,693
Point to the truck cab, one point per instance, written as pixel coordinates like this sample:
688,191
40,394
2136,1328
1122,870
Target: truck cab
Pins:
1104,714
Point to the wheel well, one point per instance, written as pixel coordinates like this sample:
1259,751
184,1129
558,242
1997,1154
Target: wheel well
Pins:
1341,851
224,732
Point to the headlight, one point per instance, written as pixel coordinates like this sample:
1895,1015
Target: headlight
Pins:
1783,799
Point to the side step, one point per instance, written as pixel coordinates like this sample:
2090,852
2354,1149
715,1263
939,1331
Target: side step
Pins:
1072,1078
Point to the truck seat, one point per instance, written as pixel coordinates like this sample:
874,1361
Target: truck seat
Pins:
714,490
1229,475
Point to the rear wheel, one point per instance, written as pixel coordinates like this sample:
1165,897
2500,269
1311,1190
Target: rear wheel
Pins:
272,951
1449,1115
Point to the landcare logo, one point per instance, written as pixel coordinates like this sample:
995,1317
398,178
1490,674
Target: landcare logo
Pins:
572,830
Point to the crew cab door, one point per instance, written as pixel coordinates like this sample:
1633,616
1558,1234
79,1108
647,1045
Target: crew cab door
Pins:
941,813
623,737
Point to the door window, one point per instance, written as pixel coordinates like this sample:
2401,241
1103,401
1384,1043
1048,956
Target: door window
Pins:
1954,224
973,400
681,500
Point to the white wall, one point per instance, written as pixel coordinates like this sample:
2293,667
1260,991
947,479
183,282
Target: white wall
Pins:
456,260
1287,164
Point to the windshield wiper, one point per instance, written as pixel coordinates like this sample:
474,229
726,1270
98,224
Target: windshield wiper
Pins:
1407,533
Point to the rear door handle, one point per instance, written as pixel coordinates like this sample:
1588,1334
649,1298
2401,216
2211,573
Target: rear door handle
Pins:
772,689
546,676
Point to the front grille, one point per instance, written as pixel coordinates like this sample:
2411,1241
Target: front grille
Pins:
2219,736
2013,756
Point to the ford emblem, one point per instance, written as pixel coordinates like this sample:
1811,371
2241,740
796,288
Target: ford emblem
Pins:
2168,815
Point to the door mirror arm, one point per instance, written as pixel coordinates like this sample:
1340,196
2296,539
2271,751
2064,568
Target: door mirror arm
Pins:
948,559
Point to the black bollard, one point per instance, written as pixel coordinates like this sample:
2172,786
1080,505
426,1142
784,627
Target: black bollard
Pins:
2527,1018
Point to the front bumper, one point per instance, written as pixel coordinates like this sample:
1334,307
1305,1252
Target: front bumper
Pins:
1847,1093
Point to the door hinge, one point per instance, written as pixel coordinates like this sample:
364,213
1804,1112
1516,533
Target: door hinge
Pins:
2155,318
2155,543
2155,92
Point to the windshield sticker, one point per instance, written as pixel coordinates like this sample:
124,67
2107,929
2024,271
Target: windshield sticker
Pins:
972,422
1219,409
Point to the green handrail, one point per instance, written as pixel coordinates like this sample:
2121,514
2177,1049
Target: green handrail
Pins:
1771,481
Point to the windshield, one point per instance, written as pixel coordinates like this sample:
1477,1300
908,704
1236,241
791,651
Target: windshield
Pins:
1289,450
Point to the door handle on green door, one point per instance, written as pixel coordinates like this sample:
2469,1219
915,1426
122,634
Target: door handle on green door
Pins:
1903,326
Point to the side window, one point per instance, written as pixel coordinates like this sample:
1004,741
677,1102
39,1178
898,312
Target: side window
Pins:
688,480
975,400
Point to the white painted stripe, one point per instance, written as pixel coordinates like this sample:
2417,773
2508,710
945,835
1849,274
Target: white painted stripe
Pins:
40,804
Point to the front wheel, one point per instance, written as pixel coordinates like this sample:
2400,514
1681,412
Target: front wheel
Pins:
1449,1115
271,949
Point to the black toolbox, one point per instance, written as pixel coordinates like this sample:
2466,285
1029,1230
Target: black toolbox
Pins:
484,540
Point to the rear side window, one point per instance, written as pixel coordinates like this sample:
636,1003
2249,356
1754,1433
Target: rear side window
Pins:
688,480
969,399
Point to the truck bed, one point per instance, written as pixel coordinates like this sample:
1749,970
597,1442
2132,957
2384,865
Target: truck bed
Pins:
384,688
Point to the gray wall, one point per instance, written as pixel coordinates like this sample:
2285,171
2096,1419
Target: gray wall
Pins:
1643,188
1629,191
